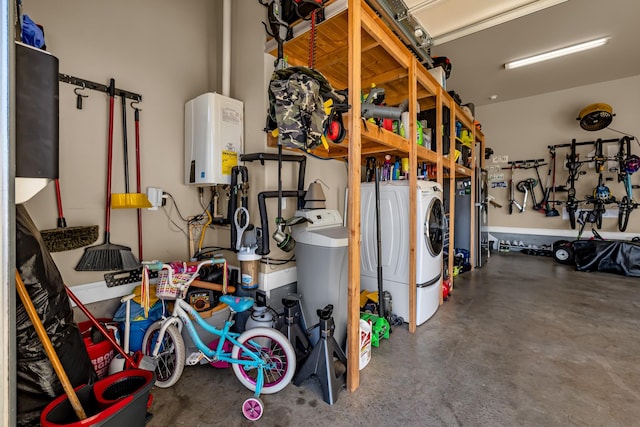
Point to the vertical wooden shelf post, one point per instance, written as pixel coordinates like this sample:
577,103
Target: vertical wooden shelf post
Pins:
413,188
355,148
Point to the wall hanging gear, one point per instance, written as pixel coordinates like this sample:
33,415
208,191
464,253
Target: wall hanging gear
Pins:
595,116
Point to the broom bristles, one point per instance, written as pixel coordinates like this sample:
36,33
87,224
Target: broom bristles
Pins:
68,238
107,257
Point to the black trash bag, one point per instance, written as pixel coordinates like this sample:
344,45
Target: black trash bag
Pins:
37,382
608,256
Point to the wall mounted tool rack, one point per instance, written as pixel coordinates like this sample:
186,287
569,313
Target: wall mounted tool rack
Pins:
526,164
88,84
568,144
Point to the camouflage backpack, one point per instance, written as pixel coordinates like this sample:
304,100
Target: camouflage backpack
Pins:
296,106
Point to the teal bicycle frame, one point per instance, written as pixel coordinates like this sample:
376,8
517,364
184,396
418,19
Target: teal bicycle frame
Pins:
185,312
182,315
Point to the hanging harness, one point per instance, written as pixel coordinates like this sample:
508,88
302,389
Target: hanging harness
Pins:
296,106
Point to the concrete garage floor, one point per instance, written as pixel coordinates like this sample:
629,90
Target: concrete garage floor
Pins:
522,342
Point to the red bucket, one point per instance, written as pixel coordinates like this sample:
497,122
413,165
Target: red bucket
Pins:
101,353
118,400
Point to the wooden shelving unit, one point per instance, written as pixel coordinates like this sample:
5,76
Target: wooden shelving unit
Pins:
355,49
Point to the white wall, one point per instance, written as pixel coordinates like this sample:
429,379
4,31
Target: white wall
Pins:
169,52
158,49
251,72
523,128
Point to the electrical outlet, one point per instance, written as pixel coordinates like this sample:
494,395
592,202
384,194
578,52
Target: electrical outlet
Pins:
155,197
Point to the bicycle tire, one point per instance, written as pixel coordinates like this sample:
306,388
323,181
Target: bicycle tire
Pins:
572,216
623,214
274,348
171,358
599,214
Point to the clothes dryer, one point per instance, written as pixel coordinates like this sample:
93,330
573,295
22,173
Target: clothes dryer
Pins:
394,216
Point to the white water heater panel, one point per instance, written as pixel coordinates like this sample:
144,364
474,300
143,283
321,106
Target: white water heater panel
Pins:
213,138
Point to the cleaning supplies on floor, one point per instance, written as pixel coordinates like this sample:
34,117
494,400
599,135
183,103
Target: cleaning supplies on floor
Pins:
365,343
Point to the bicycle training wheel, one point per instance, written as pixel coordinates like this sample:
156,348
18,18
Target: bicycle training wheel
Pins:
623,214
171,357
277,353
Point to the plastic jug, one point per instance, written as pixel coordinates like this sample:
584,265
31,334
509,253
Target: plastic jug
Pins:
365,343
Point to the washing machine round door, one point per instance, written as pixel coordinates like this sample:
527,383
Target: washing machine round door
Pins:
434,227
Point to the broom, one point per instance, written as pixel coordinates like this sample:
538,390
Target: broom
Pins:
65,238
128,200
108,256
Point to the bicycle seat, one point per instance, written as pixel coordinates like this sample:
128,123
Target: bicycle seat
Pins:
237,304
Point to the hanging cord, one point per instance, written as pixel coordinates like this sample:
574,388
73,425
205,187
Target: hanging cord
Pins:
312,41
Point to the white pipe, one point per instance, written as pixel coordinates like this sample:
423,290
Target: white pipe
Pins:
8,344
226,47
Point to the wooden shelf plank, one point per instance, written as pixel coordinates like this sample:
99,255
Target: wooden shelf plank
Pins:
425,155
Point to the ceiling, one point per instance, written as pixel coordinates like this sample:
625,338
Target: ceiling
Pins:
478,59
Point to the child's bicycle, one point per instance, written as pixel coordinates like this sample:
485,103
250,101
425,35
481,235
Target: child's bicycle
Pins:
263,359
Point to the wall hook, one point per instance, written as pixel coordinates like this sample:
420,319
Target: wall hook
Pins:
79,96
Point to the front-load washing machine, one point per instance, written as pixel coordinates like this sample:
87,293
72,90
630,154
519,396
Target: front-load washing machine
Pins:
394,217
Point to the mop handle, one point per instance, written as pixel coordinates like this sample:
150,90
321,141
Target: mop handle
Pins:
112,91
48,348
100,328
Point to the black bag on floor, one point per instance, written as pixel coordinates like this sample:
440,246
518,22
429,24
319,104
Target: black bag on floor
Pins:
609,256
37,382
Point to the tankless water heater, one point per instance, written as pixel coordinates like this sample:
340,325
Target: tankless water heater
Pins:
213,138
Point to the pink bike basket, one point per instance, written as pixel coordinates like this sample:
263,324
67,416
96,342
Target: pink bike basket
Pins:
176,288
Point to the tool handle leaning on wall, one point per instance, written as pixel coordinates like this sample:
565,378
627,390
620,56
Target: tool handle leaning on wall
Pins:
48,348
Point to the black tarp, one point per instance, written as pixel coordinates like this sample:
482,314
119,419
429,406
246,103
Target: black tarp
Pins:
37,382
609,256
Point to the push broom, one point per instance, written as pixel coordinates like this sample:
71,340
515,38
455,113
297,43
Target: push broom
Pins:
65,238
108,256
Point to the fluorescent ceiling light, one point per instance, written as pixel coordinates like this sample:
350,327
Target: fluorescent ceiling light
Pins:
492,21
556,53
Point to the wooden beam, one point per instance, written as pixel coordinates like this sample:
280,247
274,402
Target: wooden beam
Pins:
386,77
413,189
353,292
376,27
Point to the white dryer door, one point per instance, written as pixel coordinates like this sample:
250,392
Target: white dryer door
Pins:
434,227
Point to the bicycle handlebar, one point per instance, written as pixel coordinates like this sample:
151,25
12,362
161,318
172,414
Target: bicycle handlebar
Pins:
159,265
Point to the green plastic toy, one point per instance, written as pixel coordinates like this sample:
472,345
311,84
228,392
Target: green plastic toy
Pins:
379,327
